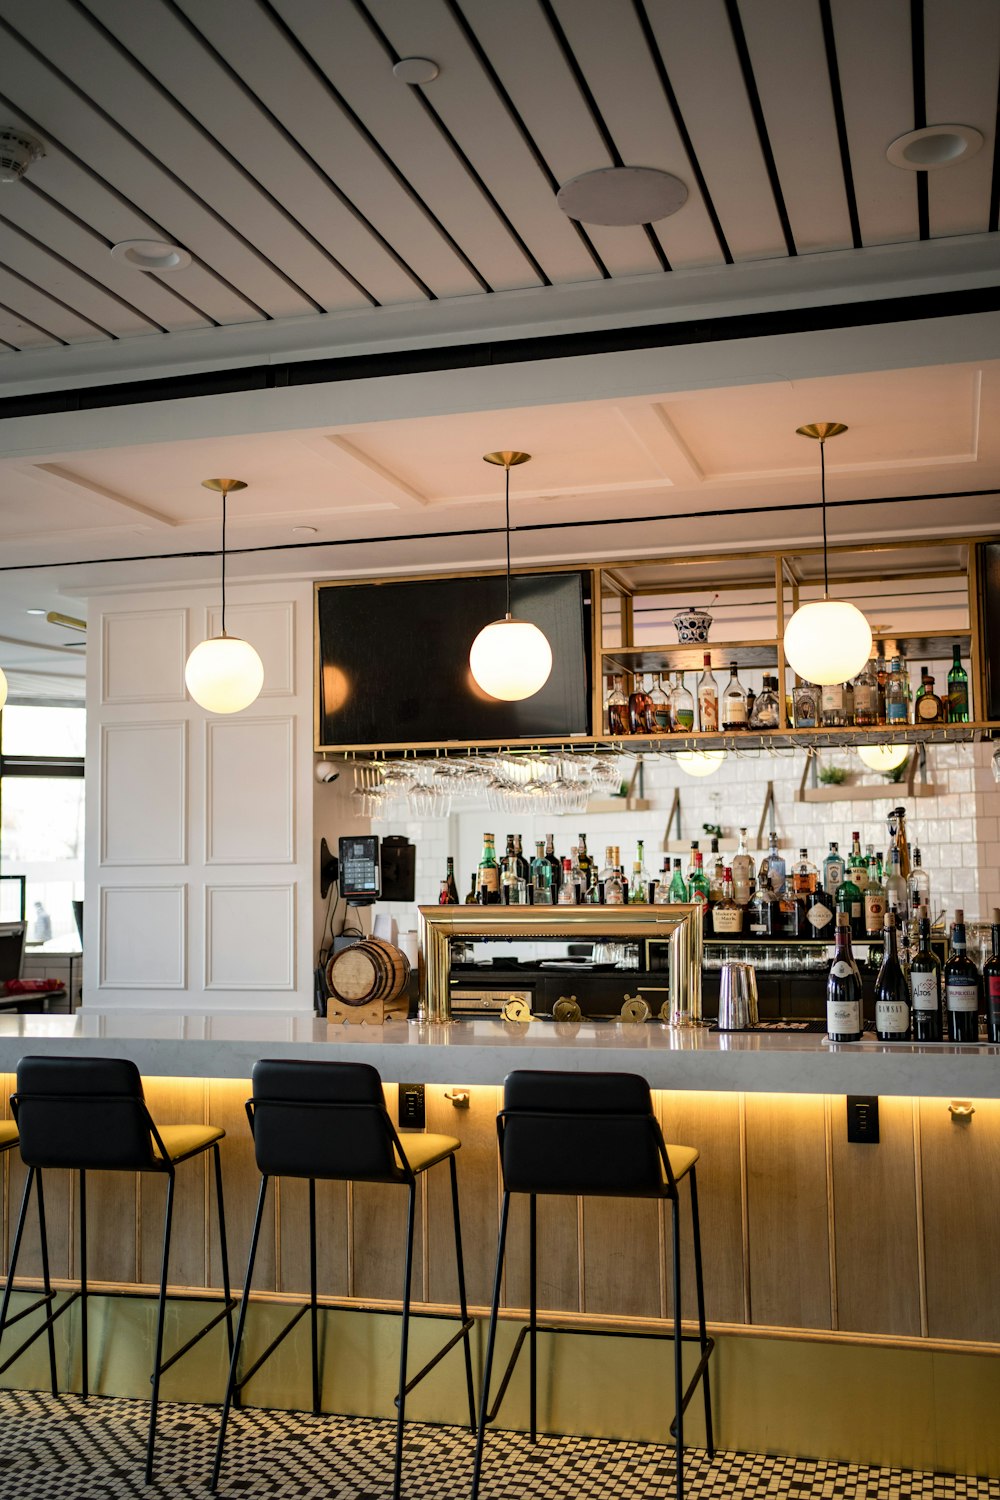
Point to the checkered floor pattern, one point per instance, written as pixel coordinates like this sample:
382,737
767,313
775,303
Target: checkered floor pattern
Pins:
66,1448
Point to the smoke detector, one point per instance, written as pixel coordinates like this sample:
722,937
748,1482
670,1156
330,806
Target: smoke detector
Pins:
17,152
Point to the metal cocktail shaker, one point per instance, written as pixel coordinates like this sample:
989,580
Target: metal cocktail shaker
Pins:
737,997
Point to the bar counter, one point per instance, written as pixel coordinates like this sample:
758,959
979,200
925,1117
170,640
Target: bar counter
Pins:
179,1044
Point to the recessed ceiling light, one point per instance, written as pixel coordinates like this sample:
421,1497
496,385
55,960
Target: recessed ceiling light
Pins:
622,195
34,611
151,255
934,146
415,70
304,530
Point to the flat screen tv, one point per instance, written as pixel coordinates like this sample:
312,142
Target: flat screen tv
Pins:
393,660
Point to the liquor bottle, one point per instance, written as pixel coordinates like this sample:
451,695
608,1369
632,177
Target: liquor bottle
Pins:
925,987
616,709
708,698
661,706
765,710
866,696
639,889
848,702
727,914
832,705
734,702
554,860
896,894
489,874
805,876
577,876
743,871
772,867
761,920
641,719
445,897
694,859
921,690
961,987
523,864
453,897
751,700
896,703
609,689
881,677
567,887
471,899
513,886
919,884
509,853
717,872
857,869
928,707
678,891
615,890
608,868
833,870
958,689
892,995
874,901
851,903
820,913
583,860
991,982
681,706
805,705
541,877
698,885
843,989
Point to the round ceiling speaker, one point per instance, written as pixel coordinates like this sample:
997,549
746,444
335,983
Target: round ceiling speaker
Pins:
622,195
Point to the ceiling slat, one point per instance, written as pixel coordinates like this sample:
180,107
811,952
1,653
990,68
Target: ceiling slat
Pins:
46,311
30,257
962,64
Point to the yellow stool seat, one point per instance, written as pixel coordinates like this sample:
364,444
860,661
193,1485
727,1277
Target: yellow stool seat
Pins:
423,1151
681,1159
184,1140
8,1134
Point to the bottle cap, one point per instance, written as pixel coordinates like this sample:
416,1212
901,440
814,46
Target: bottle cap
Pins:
890,919
843,920
727,873
996,916
959,914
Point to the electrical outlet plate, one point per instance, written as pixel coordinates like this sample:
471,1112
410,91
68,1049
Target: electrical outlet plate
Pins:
412,1106
862,1119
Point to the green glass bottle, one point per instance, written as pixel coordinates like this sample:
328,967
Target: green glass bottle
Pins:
678,885
958,689
851,902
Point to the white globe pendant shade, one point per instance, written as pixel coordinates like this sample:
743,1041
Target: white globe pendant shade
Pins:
700,762
883,757
827,641
3,688
511,659
224,674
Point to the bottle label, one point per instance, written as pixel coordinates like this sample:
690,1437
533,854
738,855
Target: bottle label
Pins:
708,708
833,698
857,907
865,700
804,705
843,1015
759,929
993,988
685,718
961,995
841,969
736,712
727,919
489,878
927,707
923,991
819,916
892,1016
834,877
895,713
663,717
874,911
958,699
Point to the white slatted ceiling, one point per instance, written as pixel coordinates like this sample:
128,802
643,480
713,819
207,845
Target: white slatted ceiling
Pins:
963,60
49,315
30,259
610,47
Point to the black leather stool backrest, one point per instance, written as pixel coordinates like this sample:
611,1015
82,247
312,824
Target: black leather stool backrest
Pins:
322,1119
84,1113
587,1133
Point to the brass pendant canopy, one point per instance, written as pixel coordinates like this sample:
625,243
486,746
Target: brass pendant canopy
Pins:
224,486
822,430
508,458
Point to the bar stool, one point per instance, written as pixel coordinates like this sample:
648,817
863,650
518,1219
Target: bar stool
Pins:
590,1135
8,1141
89,1114
327,1121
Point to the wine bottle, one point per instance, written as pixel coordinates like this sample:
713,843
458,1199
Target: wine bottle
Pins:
554,861
991,983
453,896
925,987
489,874
958,689
843,989
892,995
961,987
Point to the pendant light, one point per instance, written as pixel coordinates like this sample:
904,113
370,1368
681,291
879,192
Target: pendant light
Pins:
830,640
883,757
224,674
700,762
510,659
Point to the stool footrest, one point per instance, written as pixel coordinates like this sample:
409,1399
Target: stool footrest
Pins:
43,1327
278,1338
196,1338
466,1328
701,1373
32,1307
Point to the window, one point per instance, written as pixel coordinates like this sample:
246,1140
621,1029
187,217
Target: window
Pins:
42,819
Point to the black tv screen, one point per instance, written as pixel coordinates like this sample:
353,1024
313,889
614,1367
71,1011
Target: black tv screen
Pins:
394,660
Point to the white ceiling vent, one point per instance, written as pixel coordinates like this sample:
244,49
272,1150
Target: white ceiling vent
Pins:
17,152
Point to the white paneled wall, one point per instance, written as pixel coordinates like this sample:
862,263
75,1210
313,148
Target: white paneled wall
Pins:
200,836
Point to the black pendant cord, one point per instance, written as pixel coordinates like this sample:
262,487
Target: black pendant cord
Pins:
224,497
506,508
822,493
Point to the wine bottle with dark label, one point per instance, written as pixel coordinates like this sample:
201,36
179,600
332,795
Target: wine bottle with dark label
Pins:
843,989
961,987
892,993
991,983
925,988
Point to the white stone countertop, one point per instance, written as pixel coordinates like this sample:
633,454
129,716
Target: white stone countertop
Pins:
165,1043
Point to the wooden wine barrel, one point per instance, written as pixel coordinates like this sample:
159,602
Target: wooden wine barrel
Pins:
369,970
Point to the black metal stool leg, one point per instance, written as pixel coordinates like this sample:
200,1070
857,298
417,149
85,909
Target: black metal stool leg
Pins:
223,1246
533,1312
84,1354
47,1285
462,1299
16,1249
678,1350
160,1319
313,1308
484,1399
702,1336
397,1474
240,1325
